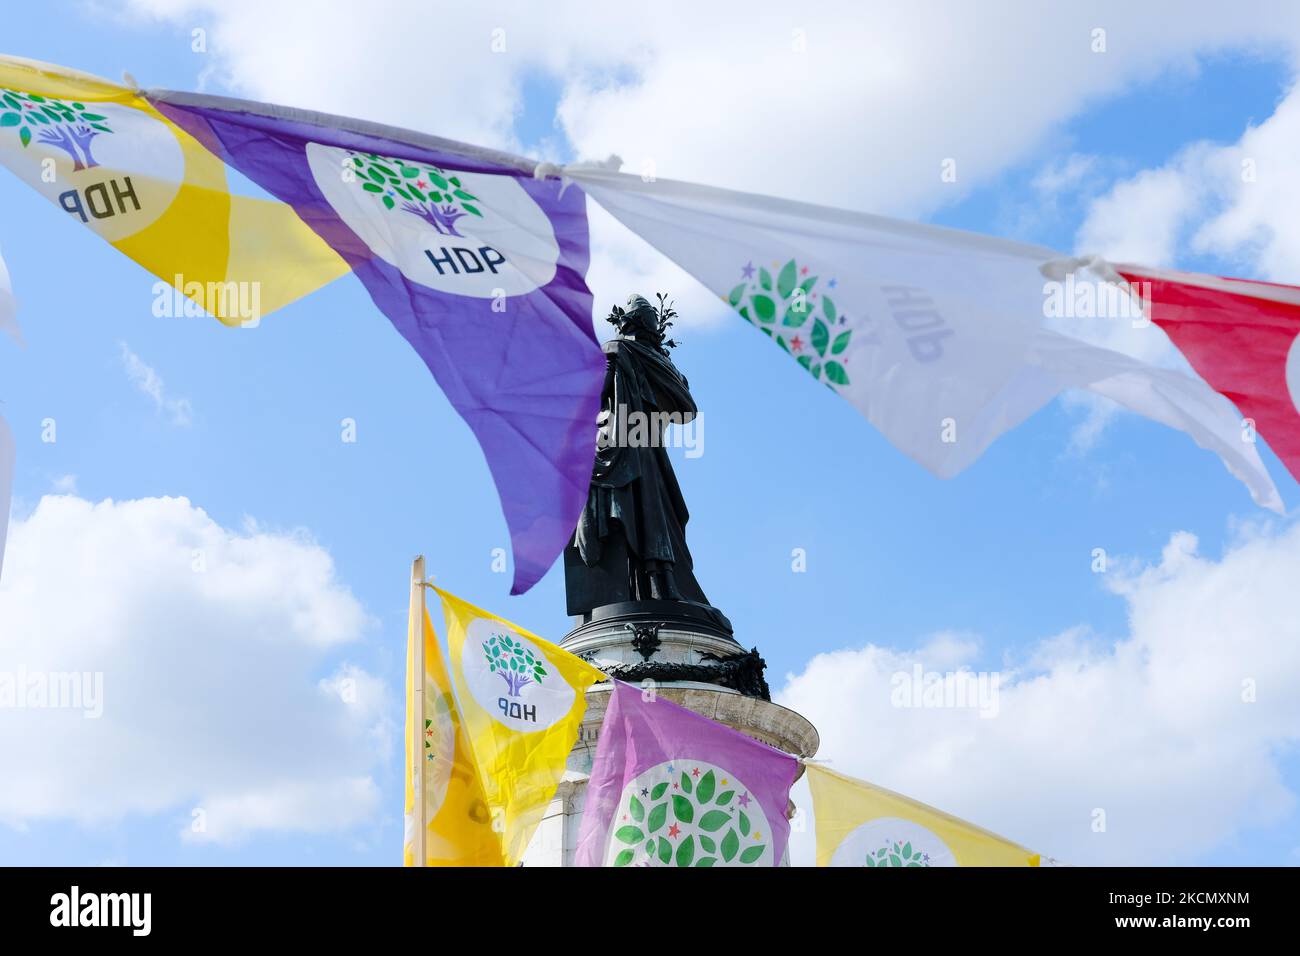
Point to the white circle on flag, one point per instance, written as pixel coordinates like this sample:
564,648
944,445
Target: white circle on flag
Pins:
892,841
436,753
1293,373
512,679
688,813
496,242
116,173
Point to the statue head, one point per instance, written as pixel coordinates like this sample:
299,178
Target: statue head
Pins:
640,319
645,322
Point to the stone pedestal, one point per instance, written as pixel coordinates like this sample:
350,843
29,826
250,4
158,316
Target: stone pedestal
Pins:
689,656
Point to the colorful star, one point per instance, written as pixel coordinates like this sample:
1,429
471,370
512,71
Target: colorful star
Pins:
645,791
748,273
832,283
803,271
744,800
429,732
675,787
695,772
429,757
674,830
420,183
757,835
796,343
724,781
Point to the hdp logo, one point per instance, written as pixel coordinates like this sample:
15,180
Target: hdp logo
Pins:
787,306
512,678
514,663
75,155
429,192
68,126
434,195
468,233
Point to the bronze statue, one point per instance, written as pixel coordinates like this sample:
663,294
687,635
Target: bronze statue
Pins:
630,543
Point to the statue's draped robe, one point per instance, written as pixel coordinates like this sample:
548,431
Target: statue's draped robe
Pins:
635,511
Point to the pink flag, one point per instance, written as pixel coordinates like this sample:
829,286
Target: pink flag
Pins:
672,788
1244,339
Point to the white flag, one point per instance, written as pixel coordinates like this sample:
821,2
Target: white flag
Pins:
8,323
936,335
8,307
6,484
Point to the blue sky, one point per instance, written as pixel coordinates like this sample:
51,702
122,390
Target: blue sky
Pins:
895,556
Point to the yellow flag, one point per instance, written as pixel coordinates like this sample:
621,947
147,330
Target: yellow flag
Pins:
458,824
109,160
523,700
859,824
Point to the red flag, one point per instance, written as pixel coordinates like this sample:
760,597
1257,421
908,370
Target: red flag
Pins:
1242,337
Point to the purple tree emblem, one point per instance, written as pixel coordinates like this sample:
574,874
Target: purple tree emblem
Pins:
443,218
66,125
513,661
429,192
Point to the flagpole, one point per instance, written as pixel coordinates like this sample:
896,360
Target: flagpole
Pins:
417,708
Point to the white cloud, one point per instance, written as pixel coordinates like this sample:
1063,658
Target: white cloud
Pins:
1064,175
211,644
1151,728
150,383
1238,202
1141,219
833,102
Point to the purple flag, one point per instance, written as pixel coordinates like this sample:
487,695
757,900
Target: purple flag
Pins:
672,788
481,268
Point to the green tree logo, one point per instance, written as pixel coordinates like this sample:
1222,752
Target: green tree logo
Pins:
783,307
429,192
513,661
894,853
67,125
689,821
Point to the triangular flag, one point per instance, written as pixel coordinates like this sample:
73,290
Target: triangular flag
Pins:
477,263
1243,338
111,161
937,336
859,824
